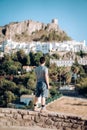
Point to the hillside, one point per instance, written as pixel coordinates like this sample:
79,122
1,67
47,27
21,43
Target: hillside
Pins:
33,31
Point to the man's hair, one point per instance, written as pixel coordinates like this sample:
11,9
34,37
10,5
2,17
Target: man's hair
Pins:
42,59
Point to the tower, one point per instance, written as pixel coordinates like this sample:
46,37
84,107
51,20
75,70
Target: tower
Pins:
55,21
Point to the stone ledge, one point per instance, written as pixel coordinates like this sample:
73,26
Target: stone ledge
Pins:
17,117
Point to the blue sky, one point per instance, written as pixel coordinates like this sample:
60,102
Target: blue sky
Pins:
71,14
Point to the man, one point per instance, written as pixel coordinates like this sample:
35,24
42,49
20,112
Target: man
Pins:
42,84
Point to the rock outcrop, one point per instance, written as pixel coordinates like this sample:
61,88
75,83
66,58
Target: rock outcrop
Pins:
28,26
28,30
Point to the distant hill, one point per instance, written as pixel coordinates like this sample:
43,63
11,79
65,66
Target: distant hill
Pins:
29,30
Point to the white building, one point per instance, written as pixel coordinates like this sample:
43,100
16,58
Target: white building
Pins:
62,62
82,61
45,47
26,99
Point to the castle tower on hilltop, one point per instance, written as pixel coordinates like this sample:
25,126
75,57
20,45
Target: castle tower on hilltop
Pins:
55,21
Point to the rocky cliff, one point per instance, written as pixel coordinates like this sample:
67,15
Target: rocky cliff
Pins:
31,30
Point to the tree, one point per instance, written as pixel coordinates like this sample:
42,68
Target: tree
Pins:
23,58
81,53
53,91
53,72
31,84
6,64
81,86
8,97
68,77
31,54
13,70
7,92
77,70
56,56
37,58
22,90
47,57
6,85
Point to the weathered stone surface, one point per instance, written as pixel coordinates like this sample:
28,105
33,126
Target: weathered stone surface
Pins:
37,119
33,113
23,112
27,117
17,116
12,111
13,117
85,122
69,125
2,115
5,110
44,114
26,30
52,114
84,128
48,122
9,115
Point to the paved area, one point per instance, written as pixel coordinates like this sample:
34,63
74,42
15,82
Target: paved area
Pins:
24,128
69,105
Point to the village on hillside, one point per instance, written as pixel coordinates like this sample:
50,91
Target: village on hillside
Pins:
66,60
71,47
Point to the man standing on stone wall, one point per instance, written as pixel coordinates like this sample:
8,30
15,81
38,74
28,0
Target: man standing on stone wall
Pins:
42,84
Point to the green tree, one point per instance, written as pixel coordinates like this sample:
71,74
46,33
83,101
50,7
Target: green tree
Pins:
6,85
81,53
31,84
13,70
68,78
53,91
6,64
56,56
47,57
81,86
53,72
7,92
8,97
23,58
31,55
37,58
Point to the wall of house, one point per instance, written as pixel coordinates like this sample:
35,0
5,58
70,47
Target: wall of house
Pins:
17,117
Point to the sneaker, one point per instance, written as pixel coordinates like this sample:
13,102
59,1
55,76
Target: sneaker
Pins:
36,109
43,109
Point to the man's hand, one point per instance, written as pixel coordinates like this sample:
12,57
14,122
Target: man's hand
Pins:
48,86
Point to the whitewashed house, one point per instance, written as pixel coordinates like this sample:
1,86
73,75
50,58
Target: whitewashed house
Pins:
62,62
26,99
8,46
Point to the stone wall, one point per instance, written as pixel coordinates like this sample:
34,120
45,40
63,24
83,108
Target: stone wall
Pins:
17,117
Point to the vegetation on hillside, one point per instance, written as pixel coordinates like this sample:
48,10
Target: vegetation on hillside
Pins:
43,36
13,84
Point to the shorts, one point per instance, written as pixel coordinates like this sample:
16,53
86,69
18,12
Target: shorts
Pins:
41,89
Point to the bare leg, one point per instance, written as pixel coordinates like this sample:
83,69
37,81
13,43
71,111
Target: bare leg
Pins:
43,109
35,104
35,100
42,101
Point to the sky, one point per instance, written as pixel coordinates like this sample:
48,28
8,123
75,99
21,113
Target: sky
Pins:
71,14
